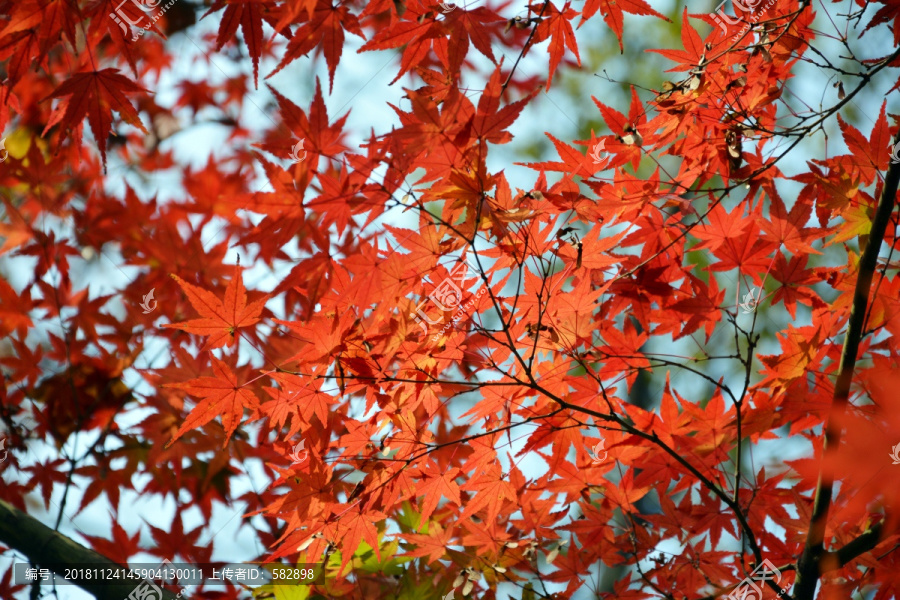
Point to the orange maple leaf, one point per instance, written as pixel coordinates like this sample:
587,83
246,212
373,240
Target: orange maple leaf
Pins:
432,545
492,491
557,28
438,483
221,320
800,350
356,527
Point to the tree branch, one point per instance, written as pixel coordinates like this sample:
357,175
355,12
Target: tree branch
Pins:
53,550
860,545
808,567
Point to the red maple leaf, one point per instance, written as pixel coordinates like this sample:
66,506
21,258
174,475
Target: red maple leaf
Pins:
556,27
249,15
221,395
95,94
325,30
612,13
221,319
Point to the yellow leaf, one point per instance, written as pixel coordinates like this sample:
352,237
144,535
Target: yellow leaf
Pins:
291,592
859,222
18,143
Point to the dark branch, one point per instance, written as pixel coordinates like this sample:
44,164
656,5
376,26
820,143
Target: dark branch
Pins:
53,550
860,545
808,567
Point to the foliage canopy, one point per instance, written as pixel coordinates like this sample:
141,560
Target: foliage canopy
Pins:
666,355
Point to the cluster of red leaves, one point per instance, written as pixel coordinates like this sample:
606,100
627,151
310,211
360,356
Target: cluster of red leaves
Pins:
399,488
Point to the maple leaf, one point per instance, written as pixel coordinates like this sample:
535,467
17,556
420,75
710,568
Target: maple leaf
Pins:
858,217
122,546
722,228
220,396
799,350
491,121
221,319
574,163
95,94
437,484
612,13
871,151
303,401
432,545
694,50
249,15
358,437
622,352
556,27
104,480
355,527
42,475
575,310
492,490
478,25
325,29
593,250
14,227
14,311
626,492
322,139
179,541
50,17
792,273
280,409
790,228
